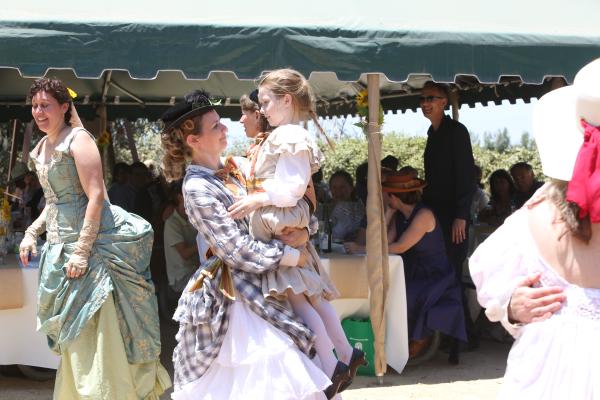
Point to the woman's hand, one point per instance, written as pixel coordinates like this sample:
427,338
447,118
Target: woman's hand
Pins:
245,205
529,304
76,266
293,237
353,248
27,246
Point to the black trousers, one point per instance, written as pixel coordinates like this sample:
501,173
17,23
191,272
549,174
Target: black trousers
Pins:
457,253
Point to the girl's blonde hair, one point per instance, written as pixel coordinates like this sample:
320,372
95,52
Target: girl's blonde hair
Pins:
289,81
556,192
177,152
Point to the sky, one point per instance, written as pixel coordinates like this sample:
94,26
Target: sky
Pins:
516,118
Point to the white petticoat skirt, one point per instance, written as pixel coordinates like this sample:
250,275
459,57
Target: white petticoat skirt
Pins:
257,361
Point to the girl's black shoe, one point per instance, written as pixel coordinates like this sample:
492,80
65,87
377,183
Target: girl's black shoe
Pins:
341,375
357,359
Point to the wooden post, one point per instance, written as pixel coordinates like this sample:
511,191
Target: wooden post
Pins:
454,103
110,148
98,126
131,140
556,83
27,141
13,148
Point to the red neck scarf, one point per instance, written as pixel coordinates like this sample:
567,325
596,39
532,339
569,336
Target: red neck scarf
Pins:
584,187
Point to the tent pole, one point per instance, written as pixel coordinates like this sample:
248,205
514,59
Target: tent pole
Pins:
377,248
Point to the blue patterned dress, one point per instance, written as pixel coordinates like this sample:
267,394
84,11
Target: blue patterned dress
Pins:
117,266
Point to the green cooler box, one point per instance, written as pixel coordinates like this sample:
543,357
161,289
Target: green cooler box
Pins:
360,335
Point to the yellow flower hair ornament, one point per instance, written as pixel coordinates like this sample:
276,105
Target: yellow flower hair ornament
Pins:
72,93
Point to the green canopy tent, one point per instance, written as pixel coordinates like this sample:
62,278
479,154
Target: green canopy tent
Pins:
133,53
130,59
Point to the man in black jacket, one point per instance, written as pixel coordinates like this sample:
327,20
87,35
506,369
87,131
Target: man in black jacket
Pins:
449,172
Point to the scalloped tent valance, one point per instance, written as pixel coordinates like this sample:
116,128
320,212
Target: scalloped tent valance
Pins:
128,54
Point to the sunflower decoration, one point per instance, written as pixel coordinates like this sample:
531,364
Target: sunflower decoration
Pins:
362,109
103,140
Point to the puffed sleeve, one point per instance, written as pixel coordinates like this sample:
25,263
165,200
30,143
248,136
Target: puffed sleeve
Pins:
498,264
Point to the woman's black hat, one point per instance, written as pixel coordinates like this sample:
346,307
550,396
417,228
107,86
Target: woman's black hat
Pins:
194,103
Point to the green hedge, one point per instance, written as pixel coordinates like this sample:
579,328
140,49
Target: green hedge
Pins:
350,152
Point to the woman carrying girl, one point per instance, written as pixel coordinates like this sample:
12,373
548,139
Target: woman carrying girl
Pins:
233,343
277,181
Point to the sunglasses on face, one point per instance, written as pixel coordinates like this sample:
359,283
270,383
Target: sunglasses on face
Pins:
429,99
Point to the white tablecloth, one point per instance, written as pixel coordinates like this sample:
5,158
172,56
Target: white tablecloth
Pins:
349,273
20,343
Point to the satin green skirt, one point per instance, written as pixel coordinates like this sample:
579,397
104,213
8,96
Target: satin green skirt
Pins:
94,365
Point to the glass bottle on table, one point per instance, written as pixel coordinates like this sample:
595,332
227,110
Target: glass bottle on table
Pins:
325,245
328,231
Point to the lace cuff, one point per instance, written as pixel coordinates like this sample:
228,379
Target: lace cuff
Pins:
36,228
29,242
87,237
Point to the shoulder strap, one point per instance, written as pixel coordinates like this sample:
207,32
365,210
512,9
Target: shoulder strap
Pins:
74,133
36,150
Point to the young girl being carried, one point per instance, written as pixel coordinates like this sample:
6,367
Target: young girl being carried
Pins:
279,174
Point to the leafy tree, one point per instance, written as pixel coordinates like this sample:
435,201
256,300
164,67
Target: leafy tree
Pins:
488,141
498,141
147,141
527,141
502,140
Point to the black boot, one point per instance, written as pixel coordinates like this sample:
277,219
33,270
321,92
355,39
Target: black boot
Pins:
454,352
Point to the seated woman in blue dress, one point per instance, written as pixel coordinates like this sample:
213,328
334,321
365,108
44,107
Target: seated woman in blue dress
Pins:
433,296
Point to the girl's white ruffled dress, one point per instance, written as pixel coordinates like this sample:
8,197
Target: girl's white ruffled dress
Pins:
558,358
257,362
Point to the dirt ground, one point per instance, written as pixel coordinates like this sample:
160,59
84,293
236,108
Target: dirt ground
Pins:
477,377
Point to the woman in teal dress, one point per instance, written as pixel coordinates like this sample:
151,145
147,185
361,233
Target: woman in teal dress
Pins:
96,301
